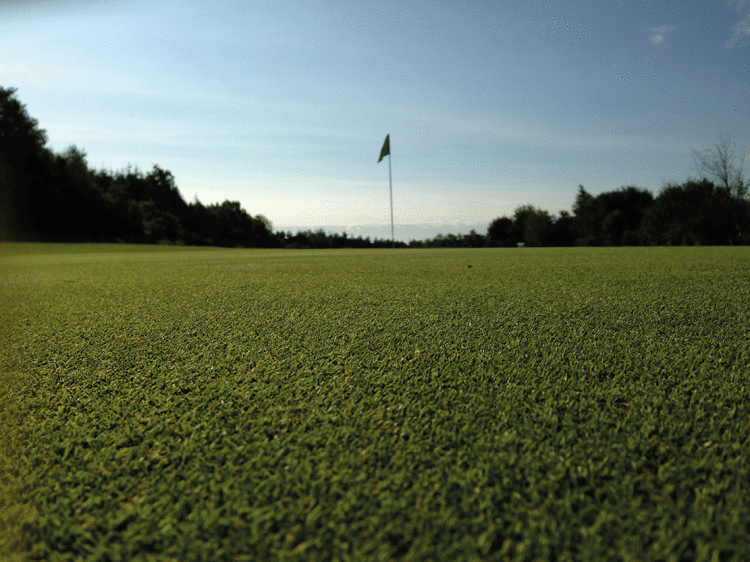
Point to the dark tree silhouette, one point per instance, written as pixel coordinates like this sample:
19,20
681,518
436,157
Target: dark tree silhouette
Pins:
561,232
23,160
532,226
501,233
612,218
696,213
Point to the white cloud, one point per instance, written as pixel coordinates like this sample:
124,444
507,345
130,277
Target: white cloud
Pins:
658,34
739,31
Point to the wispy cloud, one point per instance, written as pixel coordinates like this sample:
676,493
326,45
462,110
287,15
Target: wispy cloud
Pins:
658,34
742,29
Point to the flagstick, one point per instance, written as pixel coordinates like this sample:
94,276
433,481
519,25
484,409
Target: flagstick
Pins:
390,184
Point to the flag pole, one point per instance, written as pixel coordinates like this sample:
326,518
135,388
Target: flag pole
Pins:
390,185
386,151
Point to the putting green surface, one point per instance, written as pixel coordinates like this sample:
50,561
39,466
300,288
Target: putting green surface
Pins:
162,403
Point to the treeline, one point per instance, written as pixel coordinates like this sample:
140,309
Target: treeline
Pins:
697,212
47,196
320,239
57,197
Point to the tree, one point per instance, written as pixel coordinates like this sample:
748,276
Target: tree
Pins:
561,233
694,213
72,206
471,240
533,226
20,135
267,224
500,233
720,163
23,158
163,191
586,219
612,218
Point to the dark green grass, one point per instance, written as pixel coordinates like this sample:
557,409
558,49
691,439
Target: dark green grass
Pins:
520,404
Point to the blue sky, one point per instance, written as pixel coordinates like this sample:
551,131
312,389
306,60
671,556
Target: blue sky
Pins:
284,106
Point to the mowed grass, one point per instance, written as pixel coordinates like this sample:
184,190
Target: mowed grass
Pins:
492,404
